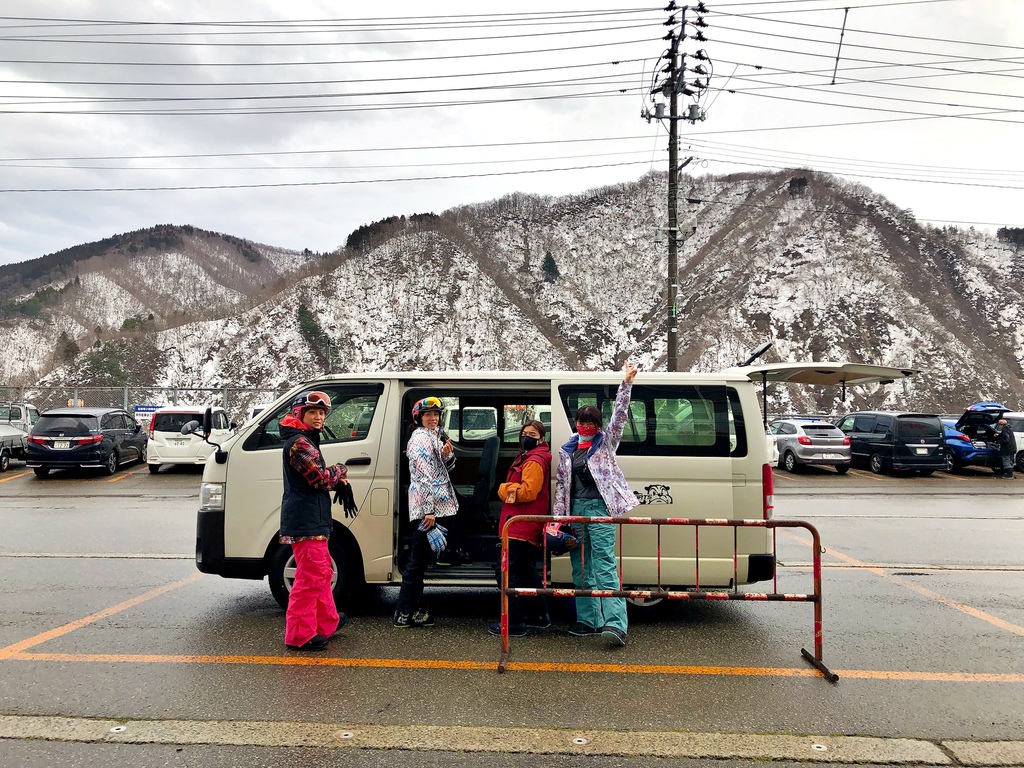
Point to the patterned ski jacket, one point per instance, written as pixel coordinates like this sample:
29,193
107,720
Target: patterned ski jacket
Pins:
306,503
430,489
610,481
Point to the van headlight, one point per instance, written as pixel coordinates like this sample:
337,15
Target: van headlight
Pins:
211,496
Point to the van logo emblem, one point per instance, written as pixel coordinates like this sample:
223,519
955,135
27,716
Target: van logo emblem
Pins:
655,494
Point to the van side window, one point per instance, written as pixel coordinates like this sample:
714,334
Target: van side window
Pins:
864,423
352,409
846,424
882,425
669,420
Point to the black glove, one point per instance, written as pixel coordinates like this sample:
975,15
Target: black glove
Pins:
343,495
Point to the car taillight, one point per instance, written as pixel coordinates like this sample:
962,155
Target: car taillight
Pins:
804,440
150,429
962,436
37,440
768,491
89,440
846,440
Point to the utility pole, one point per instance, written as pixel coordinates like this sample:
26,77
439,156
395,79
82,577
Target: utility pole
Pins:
671,87
673,193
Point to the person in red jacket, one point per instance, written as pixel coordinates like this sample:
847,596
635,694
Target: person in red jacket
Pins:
526,491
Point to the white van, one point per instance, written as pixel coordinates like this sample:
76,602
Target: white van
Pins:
694,446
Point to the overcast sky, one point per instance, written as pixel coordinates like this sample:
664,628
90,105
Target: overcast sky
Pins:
294,123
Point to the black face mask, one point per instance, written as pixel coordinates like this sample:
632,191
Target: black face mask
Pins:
528,443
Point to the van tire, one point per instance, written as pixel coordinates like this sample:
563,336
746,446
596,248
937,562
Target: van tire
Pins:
153,468
876,464
5,460
110,465
346,587
790,463
1020,462
41,471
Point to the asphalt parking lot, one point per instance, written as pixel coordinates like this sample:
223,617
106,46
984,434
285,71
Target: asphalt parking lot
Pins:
108,625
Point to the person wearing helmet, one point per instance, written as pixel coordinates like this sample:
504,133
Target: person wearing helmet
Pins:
431,496
306,524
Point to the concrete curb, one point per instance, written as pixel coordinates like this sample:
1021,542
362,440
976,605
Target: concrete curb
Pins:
677,744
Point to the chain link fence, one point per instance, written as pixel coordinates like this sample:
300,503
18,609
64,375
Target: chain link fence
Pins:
236,401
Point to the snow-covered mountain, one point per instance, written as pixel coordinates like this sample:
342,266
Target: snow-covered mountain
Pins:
825,270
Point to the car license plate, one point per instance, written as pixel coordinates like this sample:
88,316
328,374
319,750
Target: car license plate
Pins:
832,456
179,442
921,451
61,444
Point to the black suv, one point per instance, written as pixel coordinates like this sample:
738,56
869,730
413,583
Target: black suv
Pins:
896,441
85,437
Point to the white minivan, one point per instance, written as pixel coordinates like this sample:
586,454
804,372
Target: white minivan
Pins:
167,444
693,446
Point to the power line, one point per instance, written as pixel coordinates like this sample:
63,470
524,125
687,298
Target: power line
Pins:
172,188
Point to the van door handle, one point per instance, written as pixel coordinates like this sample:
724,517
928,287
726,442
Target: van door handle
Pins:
362,460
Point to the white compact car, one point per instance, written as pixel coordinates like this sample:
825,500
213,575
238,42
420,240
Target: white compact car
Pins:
168,446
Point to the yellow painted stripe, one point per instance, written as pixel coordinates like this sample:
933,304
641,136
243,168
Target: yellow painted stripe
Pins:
11,650
119,478
14,477
978,614
521,666
872,475
779,476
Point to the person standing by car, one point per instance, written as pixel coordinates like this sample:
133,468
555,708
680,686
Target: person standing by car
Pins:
1007,448
431,495
526,491
590,484
306,524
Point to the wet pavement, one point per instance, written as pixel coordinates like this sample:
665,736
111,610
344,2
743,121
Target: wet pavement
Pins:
105,617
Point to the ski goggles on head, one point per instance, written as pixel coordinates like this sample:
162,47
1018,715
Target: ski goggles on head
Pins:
313,400
427,404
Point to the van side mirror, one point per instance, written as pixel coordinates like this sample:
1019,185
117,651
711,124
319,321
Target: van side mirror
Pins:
233,425
208,420
189,427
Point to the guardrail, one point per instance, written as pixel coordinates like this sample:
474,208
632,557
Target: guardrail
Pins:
815,659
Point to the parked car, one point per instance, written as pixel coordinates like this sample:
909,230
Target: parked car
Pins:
896,441
979,423
12,445
167,444
84,437
19,415
962,451
1016,422
811,441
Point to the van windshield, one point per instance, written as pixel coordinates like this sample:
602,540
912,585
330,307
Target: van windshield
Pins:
920,428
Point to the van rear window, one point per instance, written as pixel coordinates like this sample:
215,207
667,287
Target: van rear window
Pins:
669,420
920,428
173,422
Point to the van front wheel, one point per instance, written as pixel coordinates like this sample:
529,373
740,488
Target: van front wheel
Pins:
282,573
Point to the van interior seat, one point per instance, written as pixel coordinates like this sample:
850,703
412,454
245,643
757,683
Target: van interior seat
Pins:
485,474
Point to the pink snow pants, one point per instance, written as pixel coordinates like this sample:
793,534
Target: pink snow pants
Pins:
311,609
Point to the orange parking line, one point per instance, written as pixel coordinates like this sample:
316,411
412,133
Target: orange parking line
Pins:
780,476
522,666
29,642
14,477
978,614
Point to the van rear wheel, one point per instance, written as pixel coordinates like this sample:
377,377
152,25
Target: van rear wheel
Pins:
1020,461
875,462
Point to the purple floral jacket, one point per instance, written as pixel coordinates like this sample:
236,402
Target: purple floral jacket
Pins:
610,481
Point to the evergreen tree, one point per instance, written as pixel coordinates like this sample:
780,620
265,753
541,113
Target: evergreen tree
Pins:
550,268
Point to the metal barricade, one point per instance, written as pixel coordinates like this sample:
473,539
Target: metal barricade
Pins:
696,593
